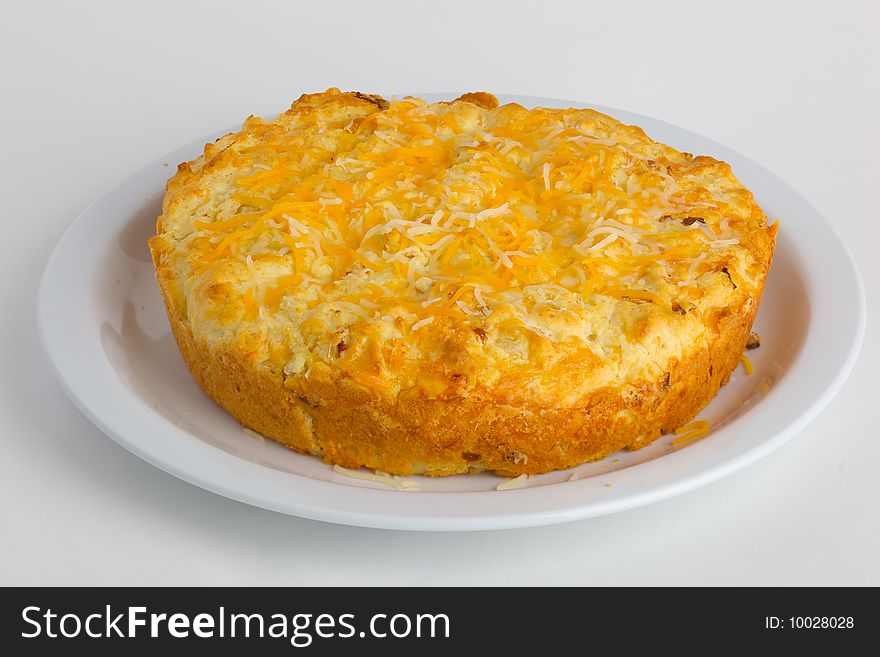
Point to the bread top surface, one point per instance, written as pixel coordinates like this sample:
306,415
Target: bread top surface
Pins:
454,249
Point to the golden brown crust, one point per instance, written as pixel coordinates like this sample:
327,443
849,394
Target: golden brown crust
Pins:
563,385
346,426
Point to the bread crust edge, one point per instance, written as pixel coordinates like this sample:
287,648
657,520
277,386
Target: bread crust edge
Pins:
345,423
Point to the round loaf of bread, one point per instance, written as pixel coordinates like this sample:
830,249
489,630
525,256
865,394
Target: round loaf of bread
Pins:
442,288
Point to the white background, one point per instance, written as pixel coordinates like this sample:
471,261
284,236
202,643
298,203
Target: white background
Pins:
93,90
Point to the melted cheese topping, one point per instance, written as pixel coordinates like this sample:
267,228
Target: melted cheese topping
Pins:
523,224
463,219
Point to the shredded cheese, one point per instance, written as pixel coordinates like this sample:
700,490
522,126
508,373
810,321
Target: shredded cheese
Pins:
254,434
422,322
411,200
377,477
691,432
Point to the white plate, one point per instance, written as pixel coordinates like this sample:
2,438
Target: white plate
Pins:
104,328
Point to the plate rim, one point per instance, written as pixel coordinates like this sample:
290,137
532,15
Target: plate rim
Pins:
211,476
